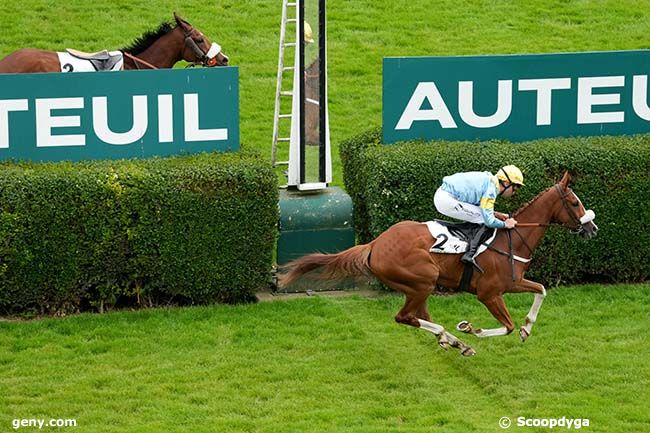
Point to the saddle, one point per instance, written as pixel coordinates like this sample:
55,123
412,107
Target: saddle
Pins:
101,60
453,238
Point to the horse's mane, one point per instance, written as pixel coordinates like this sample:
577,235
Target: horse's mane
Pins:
143,42
525,205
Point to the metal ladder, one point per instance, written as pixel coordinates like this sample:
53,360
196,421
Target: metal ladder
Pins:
279,92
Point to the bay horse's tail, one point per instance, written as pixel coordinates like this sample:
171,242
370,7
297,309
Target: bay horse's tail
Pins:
352,262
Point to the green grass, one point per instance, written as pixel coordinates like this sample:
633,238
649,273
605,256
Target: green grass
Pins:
332,365
361,33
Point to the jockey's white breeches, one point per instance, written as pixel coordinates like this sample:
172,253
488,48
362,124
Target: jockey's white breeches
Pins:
447,205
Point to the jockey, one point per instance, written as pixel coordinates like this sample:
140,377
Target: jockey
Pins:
309,34
470,197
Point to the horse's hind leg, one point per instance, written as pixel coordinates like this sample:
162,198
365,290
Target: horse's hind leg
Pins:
415,313
407,315
445,338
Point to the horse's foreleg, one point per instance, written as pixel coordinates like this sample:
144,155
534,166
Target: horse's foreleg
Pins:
468,328
531,318
497,307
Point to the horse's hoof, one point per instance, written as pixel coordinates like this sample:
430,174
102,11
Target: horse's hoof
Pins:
444,342
523,334
464,326
468,352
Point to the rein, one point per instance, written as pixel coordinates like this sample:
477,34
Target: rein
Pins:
137,60
528,225
510,254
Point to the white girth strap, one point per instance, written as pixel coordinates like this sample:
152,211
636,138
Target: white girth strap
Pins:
520,259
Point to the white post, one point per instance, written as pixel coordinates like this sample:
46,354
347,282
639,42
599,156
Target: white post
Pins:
295,169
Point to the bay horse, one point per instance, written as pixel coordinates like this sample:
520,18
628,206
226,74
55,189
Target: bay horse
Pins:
312,106
161,48
400,257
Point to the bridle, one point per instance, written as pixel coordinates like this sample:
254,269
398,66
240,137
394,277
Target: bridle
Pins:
578,222
576,229
208,59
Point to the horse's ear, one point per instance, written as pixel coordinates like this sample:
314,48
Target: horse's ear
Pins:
566,180
181,22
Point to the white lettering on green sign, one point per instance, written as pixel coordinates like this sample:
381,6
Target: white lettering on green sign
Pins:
587,99
46,121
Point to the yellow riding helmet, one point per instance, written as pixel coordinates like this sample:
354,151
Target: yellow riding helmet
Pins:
309,34
511,174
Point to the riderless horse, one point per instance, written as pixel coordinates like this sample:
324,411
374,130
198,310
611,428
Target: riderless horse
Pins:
404,258
161,48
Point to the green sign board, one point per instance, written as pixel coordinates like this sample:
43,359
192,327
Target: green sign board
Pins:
113,115
518,97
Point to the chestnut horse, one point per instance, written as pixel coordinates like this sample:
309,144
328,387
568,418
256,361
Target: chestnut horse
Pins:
400,257
161,48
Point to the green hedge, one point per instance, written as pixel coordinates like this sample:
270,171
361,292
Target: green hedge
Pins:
390,183
189,229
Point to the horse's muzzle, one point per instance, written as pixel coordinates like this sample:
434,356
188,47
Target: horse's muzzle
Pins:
588,230
225,60
214,56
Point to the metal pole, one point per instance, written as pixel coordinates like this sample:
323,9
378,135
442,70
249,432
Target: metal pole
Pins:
301,54
322,68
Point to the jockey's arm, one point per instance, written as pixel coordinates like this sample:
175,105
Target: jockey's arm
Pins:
487,210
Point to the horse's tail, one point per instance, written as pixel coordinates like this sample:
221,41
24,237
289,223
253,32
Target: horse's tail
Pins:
352,262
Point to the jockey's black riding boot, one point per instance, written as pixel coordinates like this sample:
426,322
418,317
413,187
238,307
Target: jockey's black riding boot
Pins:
469,255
